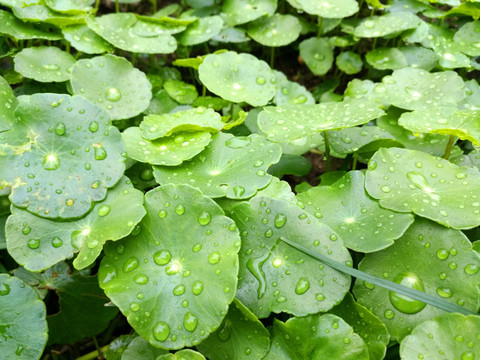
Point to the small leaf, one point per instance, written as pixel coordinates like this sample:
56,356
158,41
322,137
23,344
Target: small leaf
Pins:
317,54
233,339
238,12
22,320
450,274
349,62
386,58
290,92
139,348
82,38
44,64
10,102
20,30
276,30
332,9
195,265
215,171
41,13
275,277
316,337
453,334
180,91
380,26
346,208
201,31
117,347
349,140
238,77
409,180
112,83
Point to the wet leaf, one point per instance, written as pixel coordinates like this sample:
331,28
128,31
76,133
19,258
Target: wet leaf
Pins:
180,91
349,62
9,103
11,26
85,40
388,24
276,30
290,92
317,54
238,12
328,8
201,31
349,140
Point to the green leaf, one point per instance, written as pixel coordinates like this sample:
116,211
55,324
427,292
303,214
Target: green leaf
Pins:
112,83
168,151
56,138
416,89
386,58
10,102
365,324
186,354
82,38
180,91
70,6
472,159
316,337
238,77
183,277
117,347
388,24
292,165
276,30
349,62
22,320
419,57
38,243
20,30
472,99
409,180
450,274
240,334
290,92
305,120
76,294
333,9
139,348
454,334
199,119
118,29
201,31
41,13
349,140
161,103
215,171
346,208
463,124
238,12
44,64
317,54
275,277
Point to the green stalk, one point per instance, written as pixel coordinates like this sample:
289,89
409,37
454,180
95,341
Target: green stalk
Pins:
326,154
93,355
272,57
386,284
354,163
117,6
449,147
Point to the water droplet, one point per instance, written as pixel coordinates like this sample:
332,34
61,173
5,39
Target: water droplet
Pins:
106,272
238,142
131,264
204,218
445,292
57,242
404,303
179,290
52,67
302,286
442,254
468,355
389,314
238,191
103,210
162,257
471,269
162,214
141,279
26,230
173,268
319,297
214,258
180,209
33,243
93,127
261,80
225,331
134,306
51,162
60,129
113,94
100,152
385,188
280,220
4,289
161,331
197,287
190,322
254,265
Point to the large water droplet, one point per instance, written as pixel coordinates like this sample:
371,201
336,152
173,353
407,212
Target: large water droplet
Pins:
471,269
404,303
107,272
190,322
179,290
33,243
238,142
204,218
445,292
60,129
161,331
57,242
4,289
197,287
51,162
302,286
100,152
180,209
113,94
93,127
141,279
238,191
103,210
225,331
280,221
131,264
214,258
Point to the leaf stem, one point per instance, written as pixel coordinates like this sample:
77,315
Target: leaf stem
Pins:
449,147
272,57
94,354
326,154
117,6
354,163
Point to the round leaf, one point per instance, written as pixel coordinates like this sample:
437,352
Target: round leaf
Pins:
112,83
416,89
409,180
215,171
82,38
449,271
463,124
345,207
290,122
20,30
333,9
183,277
38,243
274,276
44,64
42,13
388,24
238,12
452,335
238,77
117,347
59,138
9,103
419,57
275,30
70,6
316,337
118,29
199,119
139,348
317,54
22,320
467,38
180,91
349,140
349,62
169,151
201,31
290,92
186,354
239,334
386,59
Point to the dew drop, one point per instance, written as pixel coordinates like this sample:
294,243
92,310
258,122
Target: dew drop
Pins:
238,191
204,218
280,221
57,242
51,162
100,152
471,269
180,209
103,210
162,257
197,287
389,314
60,129
4,289
131,264
214,258
179,290
141,279
161,331
302,286
404,303
93,127
33,243
113,94
190,322
445,292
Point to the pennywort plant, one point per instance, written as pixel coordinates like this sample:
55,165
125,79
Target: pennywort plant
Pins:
239,179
